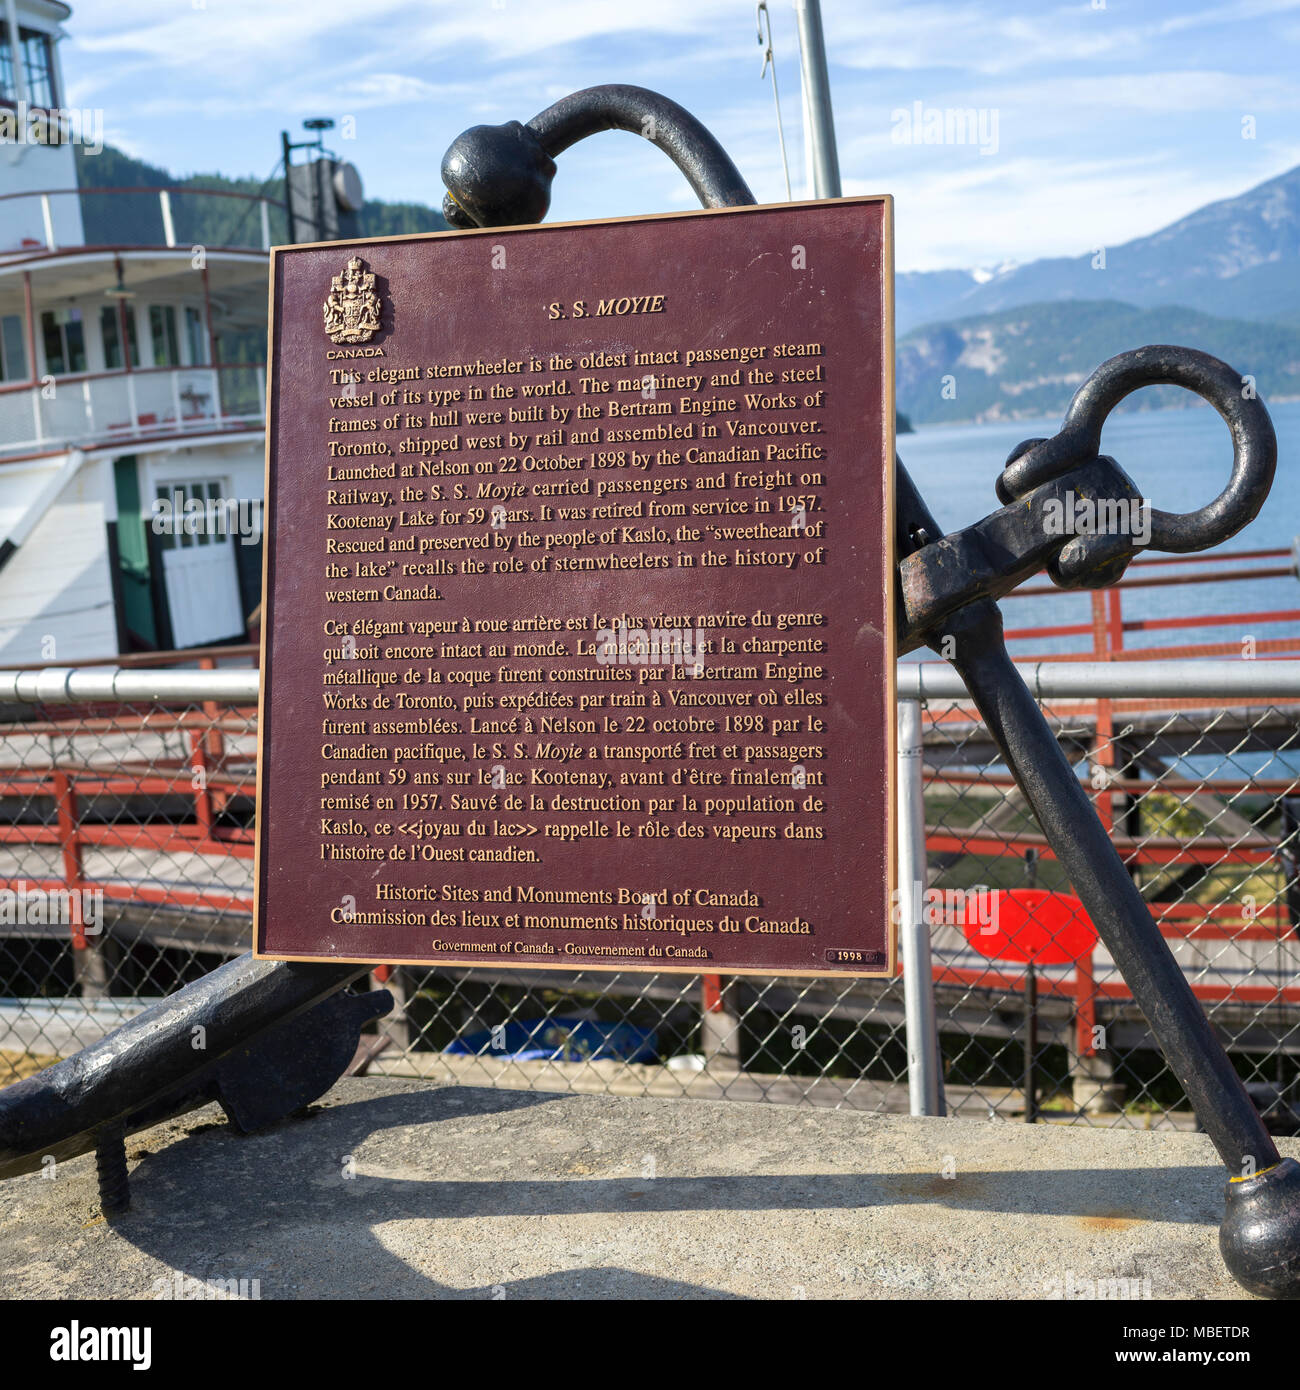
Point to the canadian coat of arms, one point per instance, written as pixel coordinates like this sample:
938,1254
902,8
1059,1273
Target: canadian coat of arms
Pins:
352,306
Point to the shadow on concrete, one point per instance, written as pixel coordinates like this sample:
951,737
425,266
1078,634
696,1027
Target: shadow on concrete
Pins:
214,1203
206,1206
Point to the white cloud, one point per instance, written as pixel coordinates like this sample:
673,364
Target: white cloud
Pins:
1042,207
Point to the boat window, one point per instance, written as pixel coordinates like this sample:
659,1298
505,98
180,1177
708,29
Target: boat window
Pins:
38,68
162,329
110,325
195,337
195,512
64,341
13,349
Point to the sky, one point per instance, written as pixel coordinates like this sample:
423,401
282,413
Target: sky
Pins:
1095,120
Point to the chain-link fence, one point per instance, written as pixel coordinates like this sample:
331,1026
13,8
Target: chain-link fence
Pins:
126,871
1201,799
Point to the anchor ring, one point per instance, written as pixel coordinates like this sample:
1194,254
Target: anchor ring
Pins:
1254,444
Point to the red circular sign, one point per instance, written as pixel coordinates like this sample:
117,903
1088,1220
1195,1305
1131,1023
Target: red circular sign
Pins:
1027,925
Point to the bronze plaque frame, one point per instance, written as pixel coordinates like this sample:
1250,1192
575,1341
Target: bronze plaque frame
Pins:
830,261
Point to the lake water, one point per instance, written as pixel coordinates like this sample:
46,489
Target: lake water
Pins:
1180,459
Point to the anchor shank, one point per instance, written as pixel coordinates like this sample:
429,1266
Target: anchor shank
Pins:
1117,909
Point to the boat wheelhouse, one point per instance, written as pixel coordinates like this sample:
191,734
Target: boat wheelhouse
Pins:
132,386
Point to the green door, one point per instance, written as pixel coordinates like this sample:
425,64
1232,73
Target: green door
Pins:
133,552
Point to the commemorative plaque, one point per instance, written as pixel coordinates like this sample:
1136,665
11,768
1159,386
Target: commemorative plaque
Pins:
577,634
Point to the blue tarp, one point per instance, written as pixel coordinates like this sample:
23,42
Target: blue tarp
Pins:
561,1040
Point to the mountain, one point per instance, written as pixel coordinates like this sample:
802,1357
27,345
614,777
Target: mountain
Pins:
208,221
1029,360
1237,258
923,296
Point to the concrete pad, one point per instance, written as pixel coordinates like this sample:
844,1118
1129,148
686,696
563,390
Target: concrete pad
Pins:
394,1190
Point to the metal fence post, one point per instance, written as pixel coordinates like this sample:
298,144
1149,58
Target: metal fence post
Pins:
924,1085
719,1026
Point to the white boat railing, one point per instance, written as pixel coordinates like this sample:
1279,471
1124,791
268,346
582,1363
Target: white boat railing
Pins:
100,408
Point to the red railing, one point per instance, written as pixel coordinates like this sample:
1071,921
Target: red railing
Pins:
207,778
1107,625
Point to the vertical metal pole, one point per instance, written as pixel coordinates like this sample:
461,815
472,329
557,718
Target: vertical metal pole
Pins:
204,815
287,148
397,1025
48,218
29,316
1031,1009
817,98
322,197
809,176
719,1027
214,351
1031,1042
914,935
769,59
124,327
32,371
169,227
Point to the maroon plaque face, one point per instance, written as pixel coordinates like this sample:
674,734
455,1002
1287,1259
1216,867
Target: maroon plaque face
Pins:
578,620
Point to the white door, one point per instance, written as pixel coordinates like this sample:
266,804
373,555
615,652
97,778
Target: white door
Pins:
199,575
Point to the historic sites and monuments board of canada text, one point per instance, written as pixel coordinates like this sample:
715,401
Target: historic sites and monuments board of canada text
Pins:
577,634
